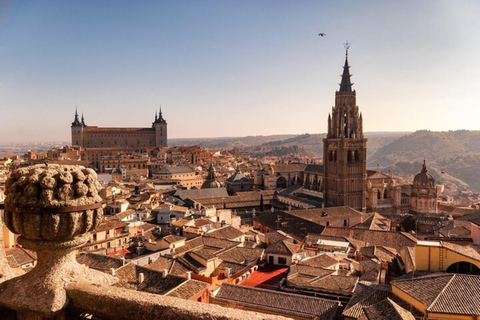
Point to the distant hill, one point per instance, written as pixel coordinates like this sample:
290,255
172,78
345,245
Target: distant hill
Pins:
228,142
451,156
283,144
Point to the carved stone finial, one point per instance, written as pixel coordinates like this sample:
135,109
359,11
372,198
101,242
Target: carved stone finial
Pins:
52,208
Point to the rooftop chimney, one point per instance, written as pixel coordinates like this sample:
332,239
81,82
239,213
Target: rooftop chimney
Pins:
227,272
141,277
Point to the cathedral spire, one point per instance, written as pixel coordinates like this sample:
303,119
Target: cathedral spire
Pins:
346,84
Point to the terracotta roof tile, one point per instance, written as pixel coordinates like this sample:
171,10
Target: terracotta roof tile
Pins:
99,261
227,232
188,289
20,256
445,293
323,261
284,247
387,310
397,240
365,295
278,302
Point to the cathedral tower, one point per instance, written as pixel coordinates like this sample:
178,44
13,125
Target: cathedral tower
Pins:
345,149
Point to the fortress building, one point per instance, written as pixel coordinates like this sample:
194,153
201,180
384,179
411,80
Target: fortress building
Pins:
98,137
345,150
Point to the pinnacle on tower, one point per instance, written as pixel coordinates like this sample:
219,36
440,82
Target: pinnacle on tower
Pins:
160,116
76,122
346,84
83,121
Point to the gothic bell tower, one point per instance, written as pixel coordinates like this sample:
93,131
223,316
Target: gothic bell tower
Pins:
345,149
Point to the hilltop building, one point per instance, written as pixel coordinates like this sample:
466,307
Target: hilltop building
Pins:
98,137
345,150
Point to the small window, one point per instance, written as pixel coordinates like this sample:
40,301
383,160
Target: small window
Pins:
344,223
282,260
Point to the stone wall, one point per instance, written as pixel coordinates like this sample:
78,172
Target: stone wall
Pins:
94,137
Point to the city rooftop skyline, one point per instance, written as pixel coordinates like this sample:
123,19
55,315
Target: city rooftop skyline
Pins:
229,68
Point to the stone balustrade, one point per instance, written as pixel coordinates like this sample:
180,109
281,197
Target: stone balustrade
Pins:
53,208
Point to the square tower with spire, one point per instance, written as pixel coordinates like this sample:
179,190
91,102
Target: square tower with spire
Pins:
345,149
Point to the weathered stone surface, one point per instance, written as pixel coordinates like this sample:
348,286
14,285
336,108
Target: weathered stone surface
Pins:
122,304
52,186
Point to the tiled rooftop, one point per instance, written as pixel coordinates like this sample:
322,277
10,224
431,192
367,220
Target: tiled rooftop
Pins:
445,293
279,302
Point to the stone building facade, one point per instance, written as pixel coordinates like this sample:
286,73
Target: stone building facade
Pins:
283,176
98,137
345,150
384,195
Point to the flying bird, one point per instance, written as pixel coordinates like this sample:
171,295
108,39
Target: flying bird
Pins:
322,34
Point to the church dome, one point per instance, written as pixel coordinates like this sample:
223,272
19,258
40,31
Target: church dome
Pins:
209,184
211,181
424,179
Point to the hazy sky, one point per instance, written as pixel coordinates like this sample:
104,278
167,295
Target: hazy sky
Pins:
235,68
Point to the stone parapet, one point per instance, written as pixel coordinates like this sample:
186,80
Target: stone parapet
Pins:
124,304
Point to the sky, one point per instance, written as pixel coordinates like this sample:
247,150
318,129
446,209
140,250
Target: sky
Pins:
235,68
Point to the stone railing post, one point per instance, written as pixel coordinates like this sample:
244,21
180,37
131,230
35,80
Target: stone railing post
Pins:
52,207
